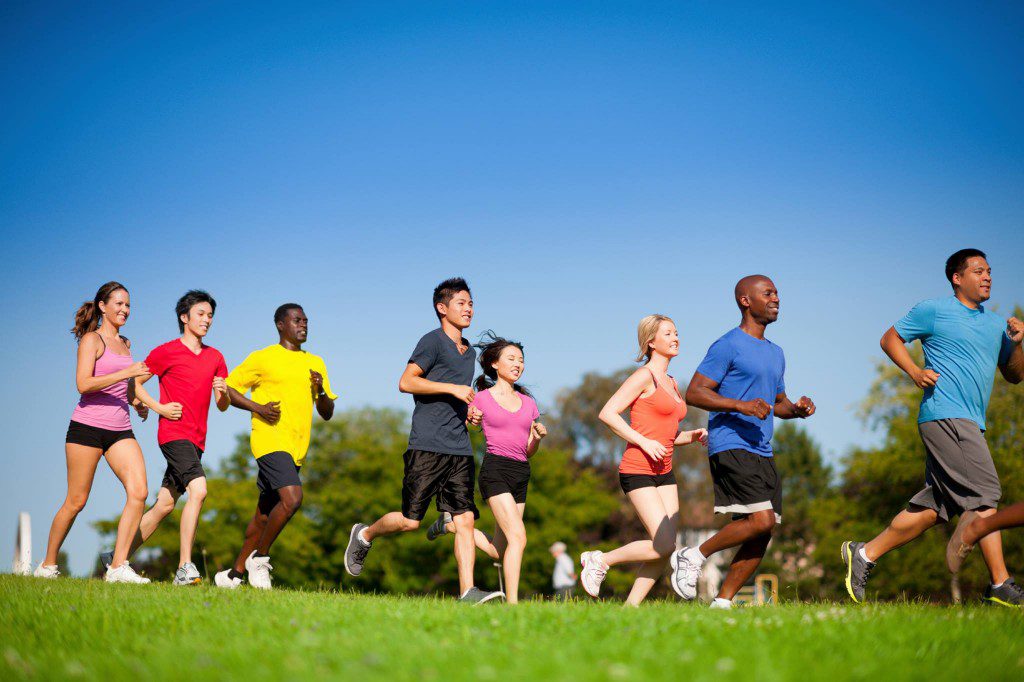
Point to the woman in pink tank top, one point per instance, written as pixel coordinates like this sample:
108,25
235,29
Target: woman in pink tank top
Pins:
100,427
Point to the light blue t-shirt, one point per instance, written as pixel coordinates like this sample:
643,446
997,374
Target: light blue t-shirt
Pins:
745,368
964,345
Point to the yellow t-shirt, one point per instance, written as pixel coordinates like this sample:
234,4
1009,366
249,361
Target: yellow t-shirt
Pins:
276,373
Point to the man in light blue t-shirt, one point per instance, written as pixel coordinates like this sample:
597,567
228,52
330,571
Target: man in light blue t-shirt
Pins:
963,345
740,383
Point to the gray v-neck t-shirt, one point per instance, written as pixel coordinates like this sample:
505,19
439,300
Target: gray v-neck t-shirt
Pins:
439,421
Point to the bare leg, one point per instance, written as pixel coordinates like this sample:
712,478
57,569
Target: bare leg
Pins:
509,516
746,561
484,543
1008,517
992,551
82,463
389,524
664,543
650,507
289,499
740,531
907,525
190,517
465,556
151,520
266,502
126,460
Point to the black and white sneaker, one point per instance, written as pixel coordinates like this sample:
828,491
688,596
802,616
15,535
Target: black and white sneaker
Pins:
355,553
439,527
475,595
1008,594
858,569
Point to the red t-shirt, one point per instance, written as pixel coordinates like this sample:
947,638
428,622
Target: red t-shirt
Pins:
186,378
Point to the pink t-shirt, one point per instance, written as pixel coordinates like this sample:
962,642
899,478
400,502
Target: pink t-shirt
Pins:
507,433
107,408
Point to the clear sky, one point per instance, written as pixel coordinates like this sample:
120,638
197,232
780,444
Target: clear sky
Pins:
581,166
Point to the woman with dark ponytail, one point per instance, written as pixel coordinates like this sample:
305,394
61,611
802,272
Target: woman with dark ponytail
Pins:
508,415
100,426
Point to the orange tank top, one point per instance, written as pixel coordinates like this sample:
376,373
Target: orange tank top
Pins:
657,417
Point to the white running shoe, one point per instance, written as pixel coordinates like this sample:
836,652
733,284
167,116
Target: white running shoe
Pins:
43,571
187,575
686,570
593,572
224,579
258,568
719,603
124,574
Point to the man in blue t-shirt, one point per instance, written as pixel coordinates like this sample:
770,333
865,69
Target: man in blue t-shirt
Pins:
740,383
963,345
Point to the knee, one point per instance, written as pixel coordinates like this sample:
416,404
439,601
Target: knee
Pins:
137,493
197,491
764,522
409,525
164,505
516,538
76,502
292,502
463,523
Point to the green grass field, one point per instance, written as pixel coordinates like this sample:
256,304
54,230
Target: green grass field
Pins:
91,630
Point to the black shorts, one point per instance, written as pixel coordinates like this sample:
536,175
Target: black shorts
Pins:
277,470
95,437
449,478
504,475
183,464
745,483
630,482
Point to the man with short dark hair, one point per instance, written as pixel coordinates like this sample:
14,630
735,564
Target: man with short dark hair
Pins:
741,384
439,462
963,345
188,371
286,382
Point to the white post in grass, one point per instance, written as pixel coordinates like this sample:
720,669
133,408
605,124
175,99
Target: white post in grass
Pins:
23,546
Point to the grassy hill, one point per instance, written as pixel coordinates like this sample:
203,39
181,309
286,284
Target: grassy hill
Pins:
89,630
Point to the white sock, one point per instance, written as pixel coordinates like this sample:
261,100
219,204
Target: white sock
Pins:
864,556
994,586
362,538
723,602
694,555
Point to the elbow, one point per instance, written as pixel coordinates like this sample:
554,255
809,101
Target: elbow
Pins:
606,416
403,387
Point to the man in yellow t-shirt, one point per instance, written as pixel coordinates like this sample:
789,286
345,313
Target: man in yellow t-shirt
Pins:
285,382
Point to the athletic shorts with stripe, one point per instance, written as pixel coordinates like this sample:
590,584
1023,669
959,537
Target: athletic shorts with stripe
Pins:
745,483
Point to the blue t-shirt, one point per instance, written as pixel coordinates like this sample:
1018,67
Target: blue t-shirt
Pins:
745,369
964,345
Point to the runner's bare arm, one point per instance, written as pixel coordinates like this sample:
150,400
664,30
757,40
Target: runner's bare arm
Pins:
412,381
896,348
324,403
270,413
702,392
611,413
170,411
787,409
1013,370
89,350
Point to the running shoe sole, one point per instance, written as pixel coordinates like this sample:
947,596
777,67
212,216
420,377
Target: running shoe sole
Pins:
673,561
848,560
351,538
956,550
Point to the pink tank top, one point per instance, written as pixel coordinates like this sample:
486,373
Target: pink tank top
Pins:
108,408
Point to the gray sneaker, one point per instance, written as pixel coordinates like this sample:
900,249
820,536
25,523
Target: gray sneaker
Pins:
355,553
439,527
187,575
1008,594
857,570
475,595
106,558
957,550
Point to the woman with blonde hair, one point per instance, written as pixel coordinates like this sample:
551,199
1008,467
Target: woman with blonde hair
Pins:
656,410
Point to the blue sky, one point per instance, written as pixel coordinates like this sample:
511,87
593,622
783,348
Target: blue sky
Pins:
581,166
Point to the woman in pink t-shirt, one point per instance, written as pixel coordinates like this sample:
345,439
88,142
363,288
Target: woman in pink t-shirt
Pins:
508,416
100,427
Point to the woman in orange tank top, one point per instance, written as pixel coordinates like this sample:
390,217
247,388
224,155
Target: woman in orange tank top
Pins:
656,409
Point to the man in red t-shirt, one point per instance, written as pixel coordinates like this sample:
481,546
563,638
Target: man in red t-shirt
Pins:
189,371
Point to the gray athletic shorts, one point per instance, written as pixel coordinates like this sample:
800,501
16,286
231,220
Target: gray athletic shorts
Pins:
959,472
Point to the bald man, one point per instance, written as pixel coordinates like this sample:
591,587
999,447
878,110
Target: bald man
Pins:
740,383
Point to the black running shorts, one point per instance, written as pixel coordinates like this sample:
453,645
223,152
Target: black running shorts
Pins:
183,464
630,482
95,437
448,478
504,475
277,470
745,483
